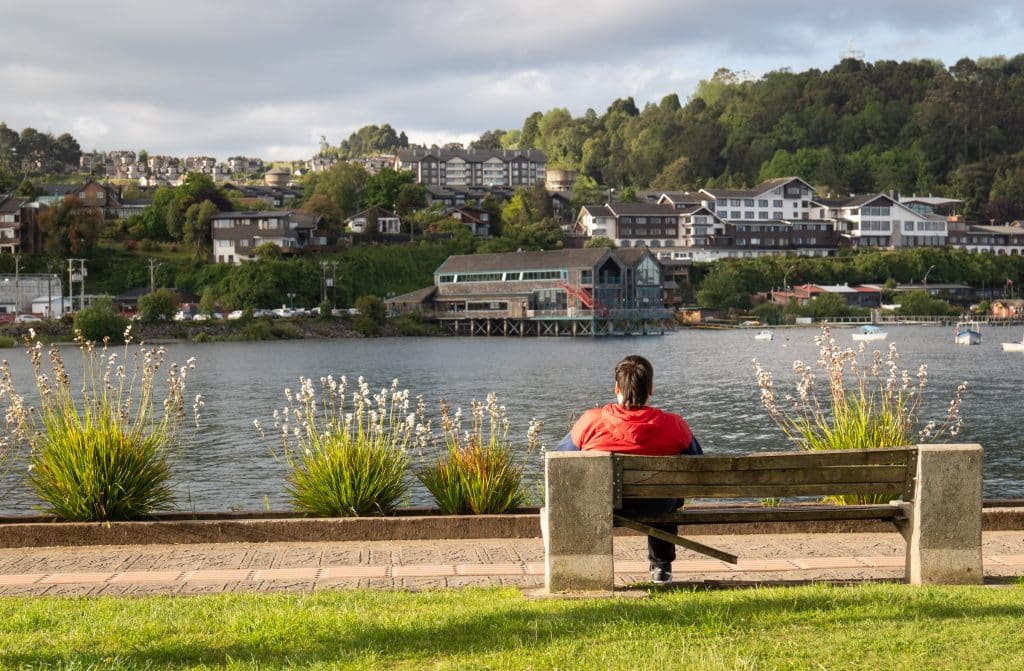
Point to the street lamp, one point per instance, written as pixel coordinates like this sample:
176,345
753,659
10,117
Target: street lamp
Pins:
925,280
291,299
785,276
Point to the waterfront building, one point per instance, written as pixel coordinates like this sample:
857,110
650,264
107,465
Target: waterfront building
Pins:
562,292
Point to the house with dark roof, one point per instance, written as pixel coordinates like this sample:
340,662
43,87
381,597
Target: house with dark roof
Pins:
476,219
236,235
384,221
19,229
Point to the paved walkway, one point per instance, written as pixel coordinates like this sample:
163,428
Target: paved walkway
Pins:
265,567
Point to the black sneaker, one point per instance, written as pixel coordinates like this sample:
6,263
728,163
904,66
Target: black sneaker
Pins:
661,576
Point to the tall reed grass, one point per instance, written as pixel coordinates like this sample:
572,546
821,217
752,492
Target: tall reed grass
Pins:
867,402
345,460
477,471
101,450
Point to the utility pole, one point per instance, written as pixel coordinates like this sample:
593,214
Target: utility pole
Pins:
49,289
153,265
17,285
71,295
82,273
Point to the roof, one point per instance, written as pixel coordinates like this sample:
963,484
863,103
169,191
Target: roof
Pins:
631,209
253,214
418,296
597,210
998,230
11,204
557,259
931,200
470,155
855,201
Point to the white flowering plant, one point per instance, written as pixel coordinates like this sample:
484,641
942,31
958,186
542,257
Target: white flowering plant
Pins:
476,471
867,402
347,452
102,450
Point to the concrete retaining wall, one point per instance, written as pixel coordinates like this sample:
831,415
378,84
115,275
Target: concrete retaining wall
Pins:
261,527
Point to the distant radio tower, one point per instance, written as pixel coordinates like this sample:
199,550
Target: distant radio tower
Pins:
852,52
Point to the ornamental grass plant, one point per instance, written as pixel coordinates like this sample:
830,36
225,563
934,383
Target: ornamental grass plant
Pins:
345,460
867,401
102,450
477,471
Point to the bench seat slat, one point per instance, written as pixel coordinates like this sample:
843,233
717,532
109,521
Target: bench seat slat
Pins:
726,491
774,514
768,461
793,476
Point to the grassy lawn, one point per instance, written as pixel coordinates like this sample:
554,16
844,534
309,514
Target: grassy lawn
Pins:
875,627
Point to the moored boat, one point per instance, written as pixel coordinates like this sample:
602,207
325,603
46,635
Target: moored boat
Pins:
870,332
1014,346
967,333
765,335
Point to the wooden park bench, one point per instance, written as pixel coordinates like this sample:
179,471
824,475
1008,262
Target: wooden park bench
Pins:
932,495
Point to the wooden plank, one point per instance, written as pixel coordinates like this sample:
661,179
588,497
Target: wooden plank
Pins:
894,474
673,538
775,514
768,461
726,491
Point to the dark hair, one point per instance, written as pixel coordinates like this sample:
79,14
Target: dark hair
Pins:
635,377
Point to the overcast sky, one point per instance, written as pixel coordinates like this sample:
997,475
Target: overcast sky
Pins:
267,79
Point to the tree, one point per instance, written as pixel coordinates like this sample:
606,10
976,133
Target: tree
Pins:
267,250
196,231
160,305
342,184
488,140
721,289
373,308
919,303
382,189
208,301
71,228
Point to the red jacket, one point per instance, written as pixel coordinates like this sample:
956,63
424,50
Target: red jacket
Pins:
647,431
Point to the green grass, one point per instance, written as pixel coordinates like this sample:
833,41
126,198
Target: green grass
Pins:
868,627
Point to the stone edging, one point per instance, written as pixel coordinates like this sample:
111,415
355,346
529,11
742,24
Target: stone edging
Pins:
250,528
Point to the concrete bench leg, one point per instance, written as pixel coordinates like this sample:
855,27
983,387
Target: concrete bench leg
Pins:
577,522
944,532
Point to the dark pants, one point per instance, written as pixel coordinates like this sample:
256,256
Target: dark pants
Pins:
660,553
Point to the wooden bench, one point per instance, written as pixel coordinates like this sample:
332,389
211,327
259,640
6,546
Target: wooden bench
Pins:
932,494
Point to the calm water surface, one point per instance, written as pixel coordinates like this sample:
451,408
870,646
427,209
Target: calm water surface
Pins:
704,375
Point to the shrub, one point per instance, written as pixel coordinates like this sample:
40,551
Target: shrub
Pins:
254,330
411,325
7,342
100,320
159,305
881,408
372,307
365,326
476,472
101,450
345,461
286,331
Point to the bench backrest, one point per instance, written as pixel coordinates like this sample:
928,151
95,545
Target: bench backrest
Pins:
888,471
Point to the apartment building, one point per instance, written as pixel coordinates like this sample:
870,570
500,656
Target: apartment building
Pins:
471,167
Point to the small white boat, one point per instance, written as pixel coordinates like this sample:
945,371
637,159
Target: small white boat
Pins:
967,333
1014,346
765,335
870,332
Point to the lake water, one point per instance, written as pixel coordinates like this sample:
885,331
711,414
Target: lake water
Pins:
705,375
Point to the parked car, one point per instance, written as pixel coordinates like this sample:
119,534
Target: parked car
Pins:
26,319
237,314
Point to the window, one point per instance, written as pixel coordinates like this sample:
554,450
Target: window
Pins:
542,275
748,215
762,202
511,277
776,215
478,277
735,202
762,215
776,203
446,279
735,214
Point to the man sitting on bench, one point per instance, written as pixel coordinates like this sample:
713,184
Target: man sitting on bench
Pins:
631,427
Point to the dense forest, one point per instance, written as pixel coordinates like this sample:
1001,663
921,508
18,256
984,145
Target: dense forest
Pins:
913,127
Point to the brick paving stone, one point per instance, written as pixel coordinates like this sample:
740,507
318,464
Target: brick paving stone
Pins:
354,572
207,587
71,589
468,581
507,568
535,568
632,566
826,562
763,565
341,583
136,577
420,570
24,590
308,574
213,575
883,562
21,579
285,586
698,566
73,578
420,583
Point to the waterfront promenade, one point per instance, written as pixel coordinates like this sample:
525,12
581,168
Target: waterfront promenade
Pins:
306,566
